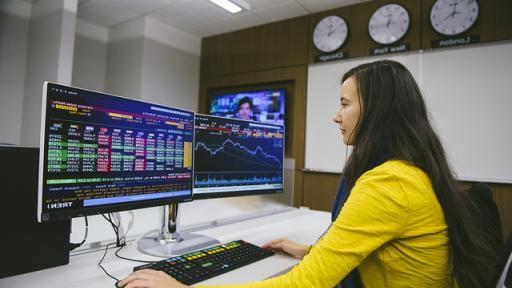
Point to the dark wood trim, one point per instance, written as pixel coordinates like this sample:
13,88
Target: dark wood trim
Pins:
357,16
276,45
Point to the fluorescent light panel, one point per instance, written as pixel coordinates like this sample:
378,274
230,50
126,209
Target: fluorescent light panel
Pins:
228,5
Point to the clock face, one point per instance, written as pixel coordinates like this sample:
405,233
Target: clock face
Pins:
330,33
453,17
389,24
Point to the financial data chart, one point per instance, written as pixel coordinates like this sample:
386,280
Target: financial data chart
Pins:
102,150
237,157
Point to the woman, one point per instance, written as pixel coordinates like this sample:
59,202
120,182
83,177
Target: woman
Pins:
402,221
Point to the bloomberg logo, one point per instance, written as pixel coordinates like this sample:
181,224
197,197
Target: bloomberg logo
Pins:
59,205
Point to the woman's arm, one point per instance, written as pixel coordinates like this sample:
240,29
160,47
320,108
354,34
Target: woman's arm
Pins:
374,214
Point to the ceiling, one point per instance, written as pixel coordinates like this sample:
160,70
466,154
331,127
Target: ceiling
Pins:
201,17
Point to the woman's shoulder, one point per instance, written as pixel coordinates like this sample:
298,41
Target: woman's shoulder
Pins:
399,174
398,169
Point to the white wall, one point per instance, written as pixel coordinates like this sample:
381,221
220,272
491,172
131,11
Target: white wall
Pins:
170,73
14,27
467,93
124,59
90,57
49,58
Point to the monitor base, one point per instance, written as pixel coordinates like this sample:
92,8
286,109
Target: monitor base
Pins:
173,246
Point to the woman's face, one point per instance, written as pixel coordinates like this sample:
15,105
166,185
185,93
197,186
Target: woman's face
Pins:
245,111
347,115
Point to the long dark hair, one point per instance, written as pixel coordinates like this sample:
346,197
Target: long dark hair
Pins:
394,120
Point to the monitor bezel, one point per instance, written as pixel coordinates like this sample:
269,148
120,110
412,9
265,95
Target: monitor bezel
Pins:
215,195
99,209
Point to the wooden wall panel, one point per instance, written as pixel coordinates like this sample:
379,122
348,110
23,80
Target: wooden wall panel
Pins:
278,54
276,45
494,22
502,195
357,16
319,190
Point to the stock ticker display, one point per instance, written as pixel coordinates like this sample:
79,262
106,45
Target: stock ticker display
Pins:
233,155
101,149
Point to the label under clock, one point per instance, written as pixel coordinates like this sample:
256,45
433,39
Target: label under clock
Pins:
455,41
404,47
331,57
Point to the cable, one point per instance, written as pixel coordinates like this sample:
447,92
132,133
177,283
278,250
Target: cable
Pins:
103,268
129,259
122,239
73,246
115,227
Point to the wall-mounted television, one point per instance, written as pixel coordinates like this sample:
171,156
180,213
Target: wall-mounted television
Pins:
262,105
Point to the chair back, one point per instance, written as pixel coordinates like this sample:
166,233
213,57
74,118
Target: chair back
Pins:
480,195
504,266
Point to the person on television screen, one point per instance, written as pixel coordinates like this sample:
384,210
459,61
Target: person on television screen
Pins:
245,109
399,218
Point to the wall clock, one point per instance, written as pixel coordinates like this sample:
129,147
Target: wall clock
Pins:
453,17
389,24
330,33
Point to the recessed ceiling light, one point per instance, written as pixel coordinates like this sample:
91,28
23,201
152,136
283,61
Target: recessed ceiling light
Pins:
232,6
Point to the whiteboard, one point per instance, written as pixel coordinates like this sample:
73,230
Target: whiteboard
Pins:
468,92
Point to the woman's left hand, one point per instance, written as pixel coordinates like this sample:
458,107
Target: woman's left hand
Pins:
148,278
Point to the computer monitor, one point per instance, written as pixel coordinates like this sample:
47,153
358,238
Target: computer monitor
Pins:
236,157
104,153
261,105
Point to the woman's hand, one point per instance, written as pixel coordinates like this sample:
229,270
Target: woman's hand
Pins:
148,278
288,246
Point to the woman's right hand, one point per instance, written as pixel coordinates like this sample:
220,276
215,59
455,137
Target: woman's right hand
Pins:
288,246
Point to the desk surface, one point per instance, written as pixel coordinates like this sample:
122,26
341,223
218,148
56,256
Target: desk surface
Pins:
300,225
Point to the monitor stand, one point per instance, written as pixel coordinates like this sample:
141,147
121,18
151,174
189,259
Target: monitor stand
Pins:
169,242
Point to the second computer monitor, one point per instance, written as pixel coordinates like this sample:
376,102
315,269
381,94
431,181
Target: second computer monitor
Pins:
235,157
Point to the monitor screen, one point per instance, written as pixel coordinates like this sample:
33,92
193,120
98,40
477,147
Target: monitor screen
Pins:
264,106
103,153
237,157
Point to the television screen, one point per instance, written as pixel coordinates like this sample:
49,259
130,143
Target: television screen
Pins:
264,106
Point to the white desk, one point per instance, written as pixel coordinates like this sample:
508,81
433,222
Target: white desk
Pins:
300,225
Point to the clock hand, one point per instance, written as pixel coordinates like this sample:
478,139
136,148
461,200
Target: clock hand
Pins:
389,16
454,4
331,31
454,11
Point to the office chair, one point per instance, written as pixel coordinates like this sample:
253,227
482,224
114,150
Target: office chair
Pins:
504,271
480,195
